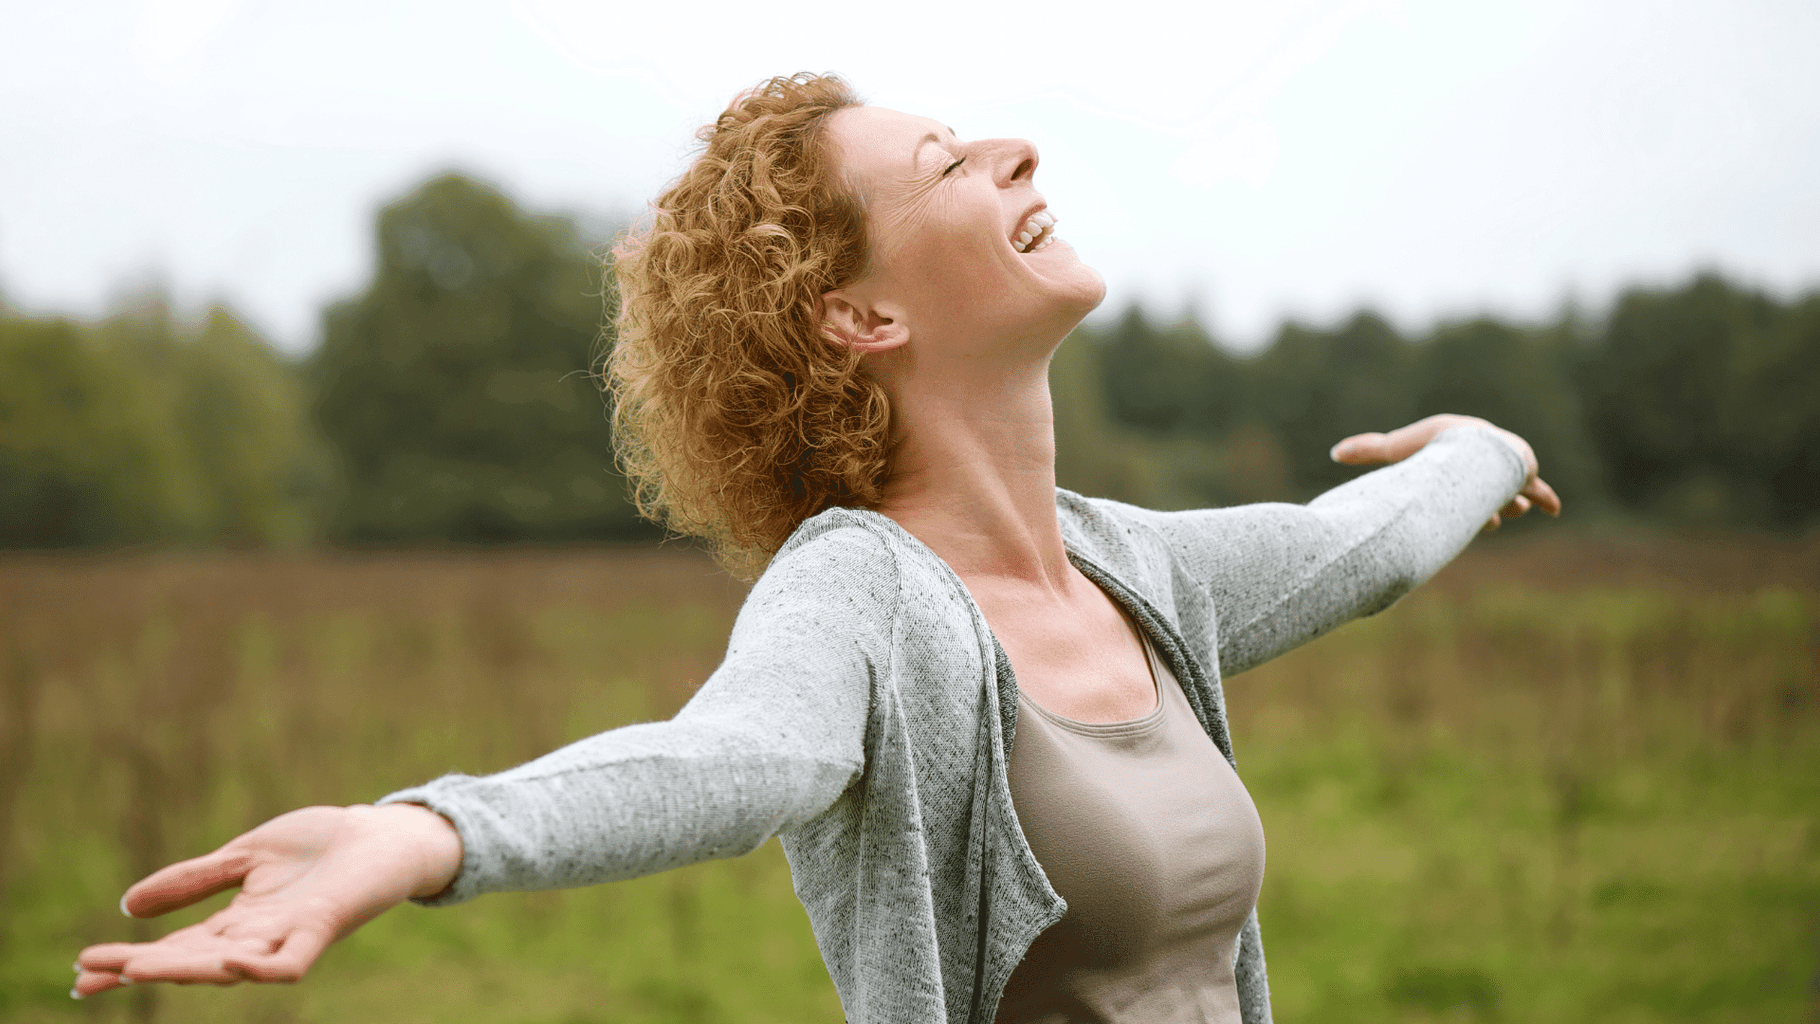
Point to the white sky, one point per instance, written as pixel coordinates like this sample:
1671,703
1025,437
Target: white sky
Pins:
1258,159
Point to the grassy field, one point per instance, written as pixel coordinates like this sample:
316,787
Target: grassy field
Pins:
1568,781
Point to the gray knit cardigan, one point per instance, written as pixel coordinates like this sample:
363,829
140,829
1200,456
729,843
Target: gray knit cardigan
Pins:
865,714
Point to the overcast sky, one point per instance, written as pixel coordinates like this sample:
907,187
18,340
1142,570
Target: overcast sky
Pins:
1257,159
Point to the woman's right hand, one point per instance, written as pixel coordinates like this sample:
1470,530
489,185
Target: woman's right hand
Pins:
1400,444
306,879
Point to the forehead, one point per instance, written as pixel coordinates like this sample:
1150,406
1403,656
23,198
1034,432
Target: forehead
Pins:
878,145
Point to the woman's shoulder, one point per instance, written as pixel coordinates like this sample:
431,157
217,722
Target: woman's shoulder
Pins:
1112,529
847,571
837,533
853,555
1122,539
869,544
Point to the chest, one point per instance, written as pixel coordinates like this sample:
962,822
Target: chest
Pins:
1075,653
1147,833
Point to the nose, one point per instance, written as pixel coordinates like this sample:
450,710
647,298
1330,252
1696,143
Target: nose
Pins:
1015,161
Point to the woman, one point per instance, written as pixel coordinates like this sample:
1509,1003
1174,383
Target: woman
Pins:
984,716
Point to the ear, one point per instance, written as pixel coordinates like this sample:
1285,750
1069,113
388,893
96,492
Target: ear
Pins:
851,320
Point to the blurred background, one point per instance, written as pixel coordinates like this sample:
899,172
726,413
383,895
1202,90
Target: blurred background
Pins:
306,492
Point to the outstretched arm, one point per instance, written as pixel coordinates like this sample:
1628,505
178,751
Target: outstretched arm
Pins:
306,879
1381,449
1280,575
773,738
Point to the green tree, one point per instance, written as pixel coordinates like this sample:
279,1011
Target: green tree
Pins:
1168,380
456,389
1311,388
138,431
1093,454
243,416
87,455
1769,415
1516,378
1666,405
1698,405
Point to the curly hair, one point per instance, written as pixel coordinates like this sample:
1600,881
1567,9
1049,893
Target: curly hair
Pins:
734,417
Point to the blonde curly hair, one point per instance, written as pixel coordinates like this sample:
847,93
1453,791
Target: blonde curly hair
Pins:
734,417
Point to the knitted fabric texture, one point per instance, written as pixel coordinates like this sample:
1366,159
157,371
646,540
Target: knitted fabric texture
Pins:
864,713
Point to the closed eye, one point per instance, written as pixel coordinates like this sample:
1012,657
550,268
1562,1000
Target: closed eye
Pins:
953,165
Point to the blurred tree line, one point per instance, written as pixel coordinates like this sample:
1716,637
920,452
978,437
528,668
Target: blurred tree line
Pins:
452,401
457,389
140,429
1696,406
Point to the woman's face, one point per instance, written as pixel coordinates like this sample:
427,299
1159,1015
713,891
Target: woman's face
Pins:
948,221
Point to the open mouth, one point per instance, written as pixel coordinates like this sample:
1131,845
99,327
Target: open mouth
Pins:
1037,231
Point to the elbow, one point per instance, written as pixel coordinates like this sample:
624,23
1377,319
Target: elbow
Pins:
1389,594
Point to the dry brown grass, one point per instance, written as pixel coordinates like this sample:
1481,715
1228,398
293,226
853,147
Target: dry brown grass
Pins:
1478,783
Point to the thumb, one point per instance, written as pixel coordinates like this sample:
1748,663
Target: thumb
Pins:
185,882
1359,449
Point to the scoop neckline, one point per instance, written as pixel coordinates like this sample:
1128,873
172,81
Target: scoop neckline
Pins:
1122,727
892,526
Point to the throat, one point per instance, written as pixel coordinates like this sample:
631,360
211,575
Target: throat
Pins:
975,481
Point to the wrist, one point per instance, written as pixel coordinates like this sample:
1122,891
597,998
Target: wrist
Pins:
434,841
1519,447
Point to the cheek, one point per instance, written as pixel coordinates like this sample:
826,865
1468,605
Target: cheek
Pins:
964,274
942,260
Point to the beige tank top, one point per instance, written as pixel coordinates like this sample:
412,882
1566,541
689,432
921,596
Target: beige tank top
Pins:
1152,839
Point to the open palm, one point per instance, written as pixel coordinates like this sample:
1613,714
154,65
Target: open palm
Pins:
306,879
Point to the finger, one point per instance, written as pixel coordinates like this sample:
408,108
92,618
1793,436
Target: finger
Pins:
286,964
185,882
1492,523
1515,506
113,957
1399,444
182,966
1544,496
188,954
108,956
1359,450
90,982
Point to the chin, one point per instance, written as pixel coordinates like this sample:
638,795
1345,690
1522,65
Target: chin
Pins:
1098,291
1074,281
1084,302
1089,290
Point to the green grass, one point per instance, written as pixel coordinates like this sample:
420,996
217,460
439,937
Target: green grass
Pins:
1525,805
1579,798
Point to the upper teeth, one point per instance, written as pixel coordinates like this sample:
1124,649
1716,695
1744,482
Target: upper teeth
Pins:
1033,228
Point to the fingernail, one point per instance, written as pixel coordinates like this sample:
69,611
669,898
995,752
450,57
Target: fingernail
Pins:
77,967
124,980
75,994
123,909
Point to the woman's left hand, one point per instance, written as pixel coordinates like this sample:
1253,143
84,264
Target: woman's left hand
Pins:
1377,449
305,878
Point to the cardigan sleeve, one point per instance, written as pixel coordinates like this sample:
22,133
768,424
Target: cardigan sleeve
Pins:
773,738
1280,575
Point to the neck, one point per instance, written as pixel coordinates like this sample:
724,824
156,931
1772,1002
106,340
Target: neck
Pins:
973,475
